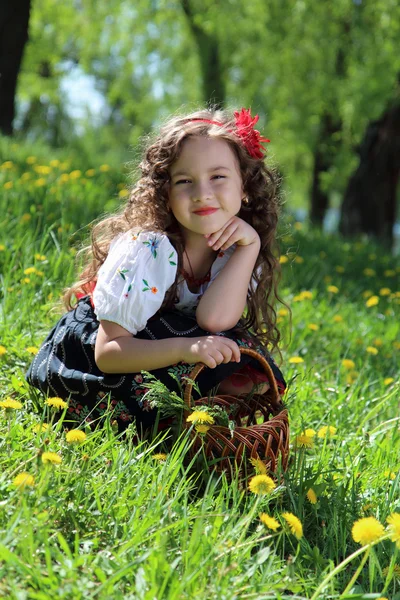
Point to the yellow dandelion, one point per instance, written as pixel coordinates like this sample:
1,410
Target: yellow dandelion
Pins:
307,295
269,522
373,301
388,380
390,474
326,430
259,466
337,319
32,350
104,168
51,458
339,269
29,271
90,173
283,312
2,247
313,326
26,217
75,174
298,226
294,524
332,289
8,185
367,294
351,377
10,404
75,436
369,272
299,260
3,351
283,259
160,456
347,363
372,350
367,530
40,427
202,429
389,273
23,480
31,160
261,484
40,257
394,528
124,193
309,432
304,441
56,403
385,291
378,342
312,496
200,416
296,360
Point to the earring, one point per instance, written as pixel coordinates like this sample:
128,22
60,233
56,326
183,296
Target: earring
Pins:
245,201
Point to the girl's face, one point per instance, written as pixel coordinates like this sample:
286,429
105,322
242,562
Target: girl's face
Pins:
206,187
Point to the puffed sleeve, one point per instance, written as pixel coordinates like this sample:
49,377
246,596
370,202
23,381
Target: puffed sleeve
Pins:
134,278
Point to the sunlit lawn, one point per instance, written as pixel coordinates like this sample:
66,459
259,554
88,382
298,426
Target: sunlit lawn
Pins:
103,518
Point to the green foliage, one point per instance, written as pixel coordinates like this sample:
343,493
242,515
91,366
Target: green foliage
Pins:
119,520
297,61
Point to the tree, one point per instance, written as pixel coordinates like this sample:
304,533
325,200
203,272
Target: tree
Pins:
14,19
369,204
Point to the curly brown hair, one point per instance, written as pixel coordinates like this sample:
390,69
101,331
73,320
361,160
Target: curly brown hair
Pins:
146,210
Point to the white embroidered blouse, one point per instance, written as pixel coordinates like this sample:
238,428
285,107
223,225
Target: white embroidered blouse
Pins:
137,273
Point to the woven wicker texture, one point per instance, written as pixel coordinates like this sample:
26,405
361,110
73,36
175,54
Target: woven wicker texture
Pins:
261,427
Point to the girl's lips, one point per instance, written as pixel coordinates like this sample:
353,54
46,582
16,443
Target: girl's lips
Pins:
205,211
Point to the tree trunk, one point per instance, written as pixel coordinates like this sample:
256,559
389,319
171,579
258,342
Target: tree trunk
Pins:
322,162
369,203
210,60
14,20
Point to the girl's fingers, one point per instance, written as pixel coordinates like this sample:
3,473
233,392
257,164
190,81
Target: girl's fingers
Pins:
227,235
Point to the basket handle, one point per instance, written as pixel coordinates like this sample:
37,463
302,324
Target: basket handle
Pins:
275,397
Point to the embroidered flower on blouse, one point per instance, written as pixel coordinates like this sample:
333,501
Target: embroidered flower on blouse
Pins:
147,287
153,244
122,273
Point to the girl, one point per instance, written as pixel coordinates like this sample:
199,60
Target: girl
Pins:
168,278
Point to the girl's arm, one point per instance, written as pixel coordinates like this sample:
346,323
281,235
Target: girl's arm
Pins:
224,301
117,351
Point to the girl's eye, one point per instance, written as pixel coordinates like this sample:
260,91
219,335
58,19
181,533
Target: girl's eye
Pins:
182,181
219,177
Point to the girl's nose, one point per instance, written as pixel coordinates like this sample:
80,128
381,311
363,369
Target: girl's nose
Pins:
201,191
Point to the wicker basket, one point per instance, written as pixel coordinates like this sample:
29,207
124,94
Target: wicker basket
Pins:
261,428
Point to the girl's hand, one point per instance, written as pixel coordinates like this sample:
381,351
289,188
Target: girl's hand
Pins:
211,350
235,231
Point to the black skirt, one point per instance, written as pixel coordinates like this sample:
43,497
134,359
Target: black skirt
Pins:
65,367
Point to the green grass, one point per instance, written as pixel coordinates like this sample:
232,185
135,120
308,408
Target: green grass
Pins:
112,521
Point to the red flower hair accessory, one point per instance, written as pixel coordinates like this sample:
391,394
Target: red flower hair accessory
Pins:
251,137
244,122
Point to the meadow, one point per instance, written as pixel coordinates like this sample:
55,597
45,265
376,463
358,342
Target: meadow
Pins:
95,516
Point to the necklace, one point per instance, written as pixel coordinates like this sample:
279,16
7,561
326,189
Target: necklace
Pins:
191,278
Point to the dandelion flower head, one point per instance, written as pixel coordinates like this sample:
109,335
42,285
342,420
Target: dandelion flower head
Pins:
269,522
56,402
326,430
312,496
294,524
75,436
202,429
23,480
51,457
261,484
9,403
367,530
304,441
160,456
200,416
259,465
394,527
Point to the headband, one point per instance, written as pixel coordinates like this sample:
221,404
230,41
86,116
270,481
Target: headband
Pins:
244,122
